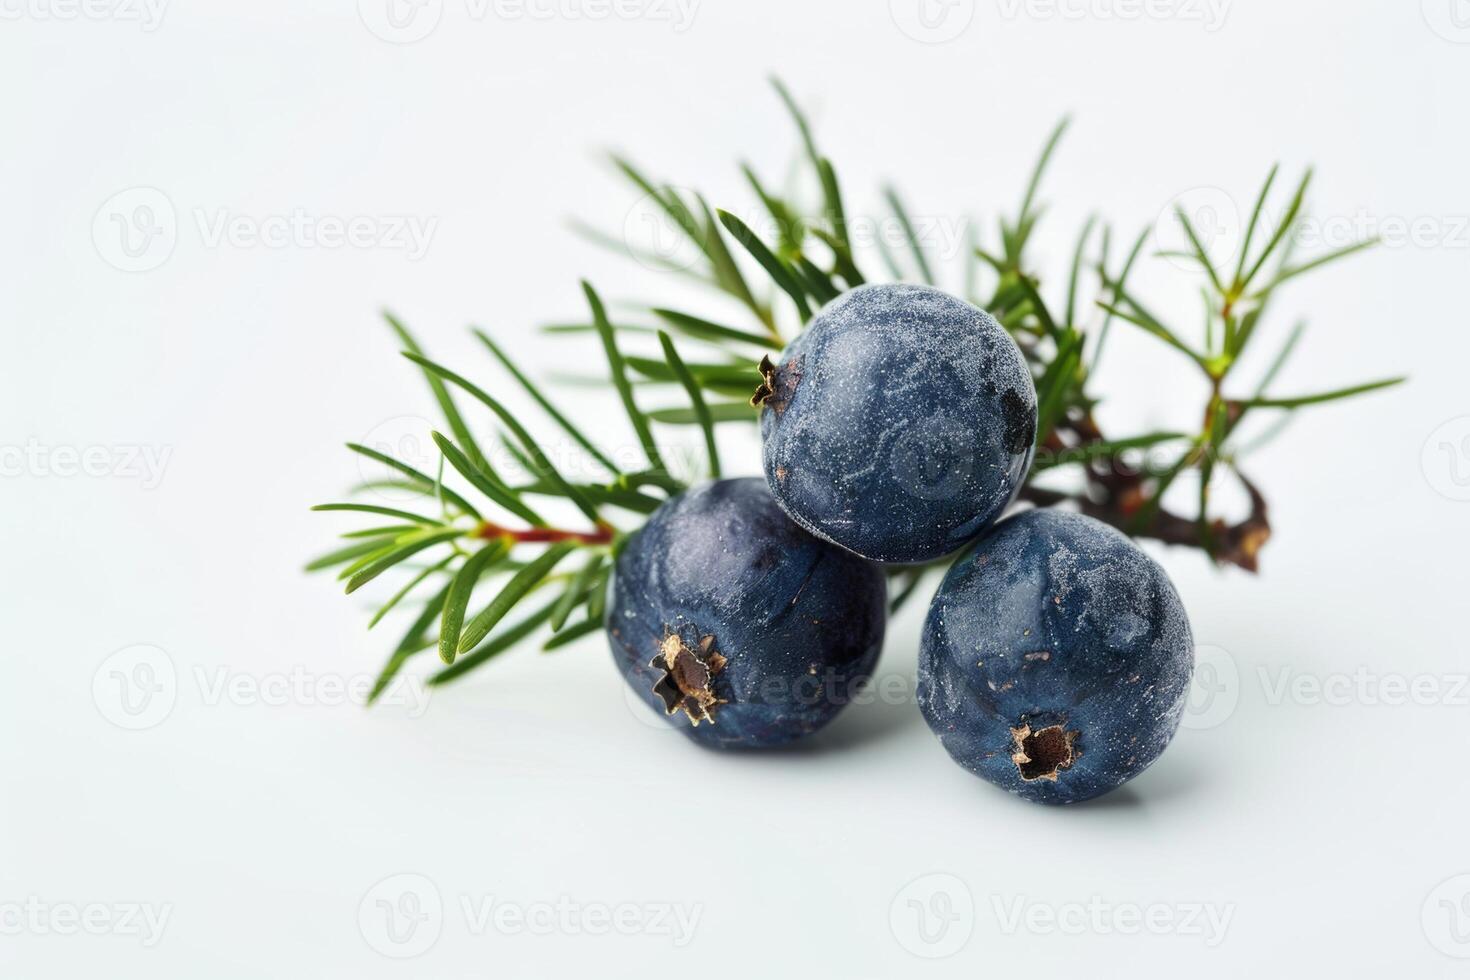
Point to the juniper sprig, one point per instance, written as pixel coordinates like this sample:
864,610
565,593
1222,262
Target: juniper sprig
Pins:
490,550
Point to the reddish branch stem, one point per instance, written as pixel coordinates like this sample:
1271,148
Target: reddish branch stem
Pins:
489,530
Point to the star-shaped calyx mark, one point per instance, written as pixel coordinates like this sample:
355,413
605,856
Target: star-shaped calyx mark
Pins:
687,681
778,383
767,388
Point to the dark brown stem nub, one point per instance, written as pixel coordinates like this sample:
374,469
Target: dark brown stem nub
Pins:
687,682
1044,753
767,387
489,530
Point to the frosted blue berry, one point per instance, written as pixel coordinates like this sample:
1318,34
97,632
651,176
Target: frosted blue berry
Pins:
736,625
1056,658
900,424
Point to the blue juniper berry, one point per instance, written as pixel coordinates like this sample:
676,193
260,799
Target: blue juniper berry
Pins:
1056,658
899,424
738,626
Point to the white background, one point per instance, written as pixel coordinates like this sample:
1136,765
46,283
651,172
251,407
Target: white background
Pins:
1329,829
